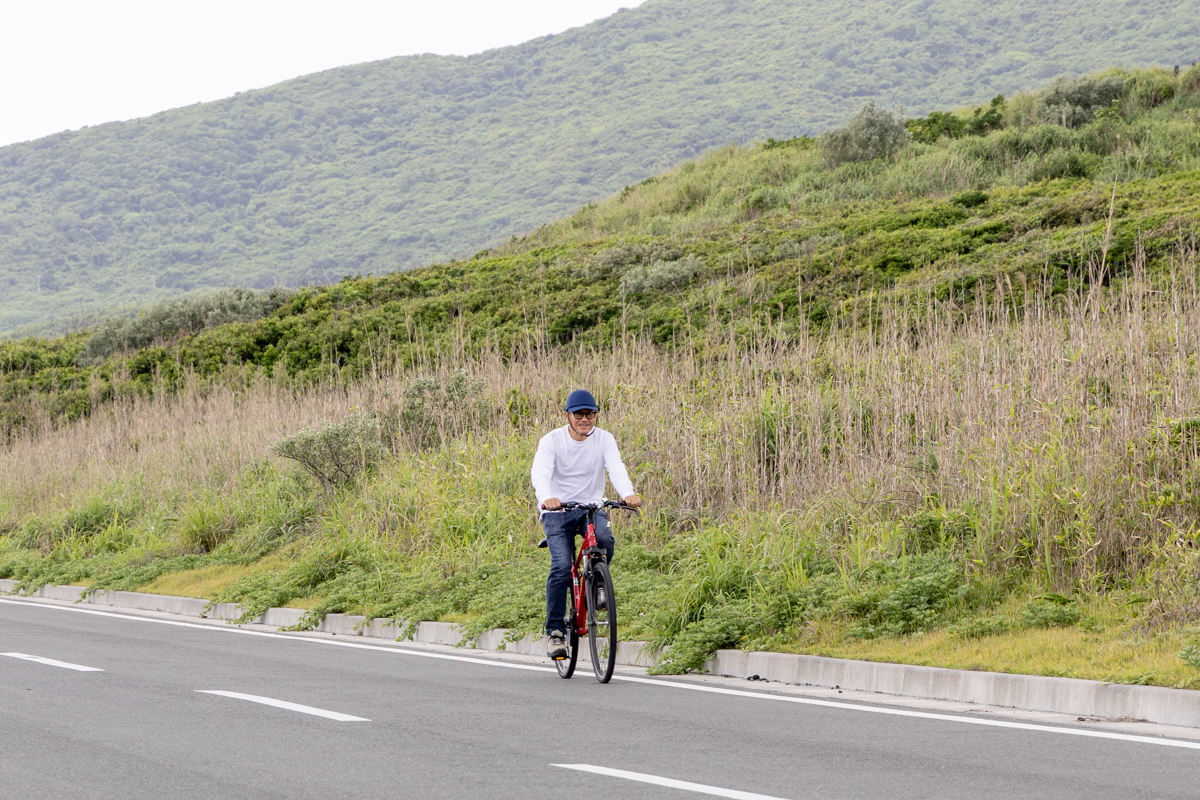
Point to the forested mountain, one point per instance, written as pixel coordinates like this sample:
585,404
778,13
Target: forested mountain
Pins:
397,163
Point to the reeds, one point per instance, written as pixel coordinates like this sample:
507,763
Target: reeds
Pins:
1053,433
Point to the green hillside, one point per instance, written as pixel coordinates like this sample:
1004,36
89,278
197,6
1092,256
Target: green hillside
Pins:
930,401
399,163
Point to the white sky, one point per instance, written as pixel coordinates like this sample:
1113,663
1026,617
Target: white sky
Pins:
69,63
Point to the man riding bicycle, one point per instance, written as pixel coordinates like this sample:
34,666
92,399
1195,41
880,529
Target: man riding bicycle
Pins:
569,467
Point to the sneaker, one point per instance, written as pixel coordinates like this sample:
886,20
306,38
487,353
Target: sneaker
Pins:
601,599
557,649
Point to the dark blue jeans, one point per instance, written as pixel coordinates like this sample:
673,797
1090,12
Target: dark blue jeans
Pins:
561,529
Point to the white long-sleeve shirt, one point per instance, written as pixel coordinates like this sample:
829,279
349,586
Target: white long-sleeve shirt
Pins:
574,471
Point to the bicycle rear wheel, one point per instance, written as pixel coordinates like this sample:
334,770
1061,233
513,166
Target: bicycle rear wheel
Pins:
602,622
566,666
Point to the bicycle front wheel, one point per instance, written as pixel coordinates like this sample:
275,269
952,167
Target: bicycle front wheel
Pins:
566,666
602,622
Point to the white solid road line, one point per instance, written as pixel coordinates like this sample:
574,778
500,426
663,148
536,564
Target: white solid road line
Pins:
688,786
50,662
270,701
995,723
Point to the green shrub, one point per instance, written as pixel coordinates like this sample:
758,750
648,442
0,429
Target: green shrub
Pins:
979,627
722,626
970,199
660,275
338,453
938,124
613,261
1061,164
1050,611
873,132
1191,656
434,412
164,320
1072,102
906,597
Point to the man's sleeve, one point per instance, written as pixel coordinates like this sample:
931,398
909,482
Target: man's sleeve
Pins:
543,470
616,469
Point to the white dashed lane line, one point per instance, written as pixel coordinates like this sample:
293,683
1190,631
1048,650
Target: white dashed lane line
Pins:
674,685
687,786
50,662
270,701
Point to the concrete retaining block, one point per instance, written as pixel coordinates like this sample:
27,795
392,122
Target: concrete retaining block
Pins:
492,640
7,585
227,611
344,624
381,628
1029,692
282,617
439,633
70,594
188,606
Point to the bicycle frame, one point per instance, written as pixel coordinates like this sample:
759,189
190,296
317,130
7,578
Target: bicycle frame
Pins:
579,577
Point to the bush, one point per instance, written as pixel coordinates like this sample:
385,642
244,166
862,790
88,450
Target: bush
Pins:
935,126
970,199
873,133
338,453
660,275
186,315
721,627
1063,165
979,627
435,412
1073,102
613,260
1050,612
908,597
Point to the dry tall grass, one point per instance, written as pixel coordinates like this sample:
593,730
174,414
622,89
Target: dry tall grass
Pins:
1054,432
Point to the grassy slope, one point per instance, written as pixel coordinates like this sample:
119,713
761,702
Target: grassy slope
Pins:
398,163
1006,484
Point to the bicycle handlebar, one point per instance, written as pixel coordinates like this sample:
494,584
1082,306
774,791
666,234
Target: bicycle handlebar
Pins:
591,506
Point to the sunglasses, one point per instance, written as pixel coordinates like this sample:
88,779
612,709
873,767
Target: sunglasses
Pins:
584,414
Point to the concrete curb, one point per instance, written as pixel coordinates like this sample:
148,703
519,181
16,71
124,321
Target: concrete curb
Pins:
1084,698
1093,699
635,654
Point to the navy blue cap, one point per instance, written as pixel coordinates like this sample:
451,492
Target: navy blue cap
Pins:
581,400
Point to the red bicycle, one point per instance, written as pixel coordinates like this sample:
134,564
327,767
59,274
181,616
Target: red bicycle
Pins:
593,610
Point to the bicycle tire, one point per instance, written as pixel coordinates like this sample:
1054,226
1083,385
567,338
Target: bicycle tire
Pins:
566,666
602,623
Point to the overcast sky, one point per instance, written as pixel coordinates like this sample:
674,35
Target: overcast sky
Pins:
69,63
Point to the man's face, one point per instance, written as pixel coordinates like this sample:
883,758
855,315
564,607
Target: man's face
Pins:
582,421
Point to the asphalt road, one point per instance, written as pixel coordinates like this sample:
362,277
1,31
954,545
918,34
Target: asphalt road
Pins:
438,724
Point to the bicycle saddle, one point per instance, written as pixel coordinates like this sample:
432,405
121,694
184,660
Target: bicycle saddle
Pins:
543,543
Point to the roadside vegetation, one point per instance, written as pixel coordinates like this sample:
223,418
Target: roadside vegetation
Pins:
937,403
399,163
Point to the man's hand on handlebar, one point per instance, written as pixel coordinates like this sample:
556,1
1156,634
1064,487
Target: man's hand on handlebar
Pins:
633,501
552,504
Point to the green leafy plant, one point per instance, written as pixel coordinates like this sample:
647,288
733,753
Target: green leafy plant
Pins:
1050,611
338,452
660,275
873,132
